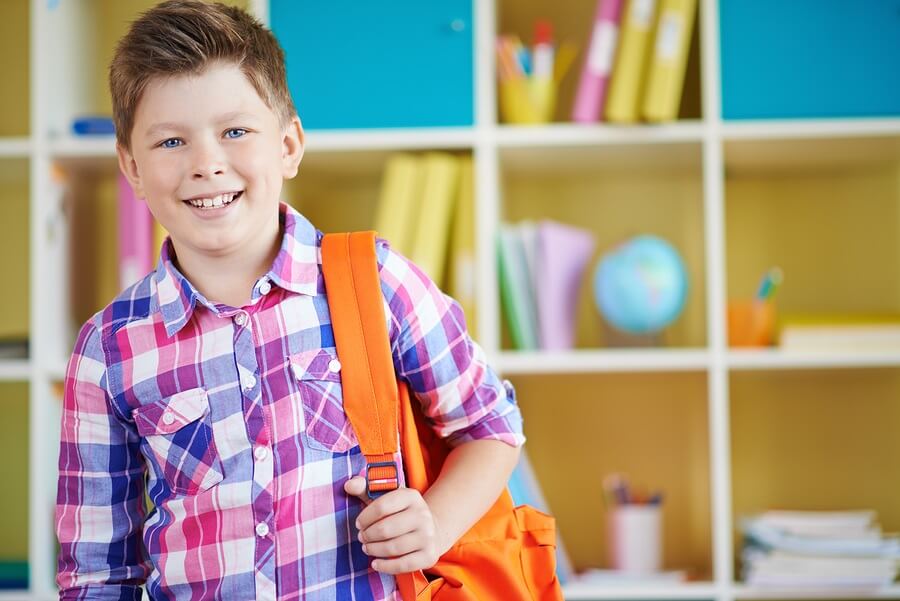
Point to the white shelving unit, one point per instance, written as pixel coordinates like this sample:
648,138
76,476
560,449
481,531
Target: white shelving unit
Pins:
55,96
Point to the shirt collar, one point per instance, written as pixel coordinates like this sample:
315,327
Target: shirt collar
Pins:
295,268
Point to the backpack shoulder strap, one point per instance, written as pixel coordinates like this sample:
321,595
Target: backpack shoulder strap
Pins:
356,304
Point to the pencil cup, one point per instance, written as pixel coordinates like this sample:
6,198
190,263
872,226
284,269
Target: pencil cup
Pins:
751,323
527,100
635,538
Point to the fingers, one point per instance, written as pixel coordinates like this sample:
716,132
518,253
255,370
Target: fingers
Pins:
389,504
395,546
418,560
397,525
356,487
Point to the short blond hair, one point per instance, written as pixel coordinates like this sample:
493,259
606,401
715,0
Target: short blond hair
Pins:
183,37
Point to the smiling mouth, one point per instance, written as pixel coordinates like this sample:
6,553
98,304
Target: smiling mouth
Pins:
214,202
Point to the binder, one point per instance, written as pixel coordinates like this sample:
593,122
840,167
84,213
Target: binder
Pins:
665,78
595,72
135,236
432,230
623,103
399,200
460,280
159,236
518,303
563,252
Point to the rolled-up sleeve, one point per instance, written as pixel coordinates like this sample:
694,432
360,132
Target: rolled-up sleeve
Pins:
100,494
461,396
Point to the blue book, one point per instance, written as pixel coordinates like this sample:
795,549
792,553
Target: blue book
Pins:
525,489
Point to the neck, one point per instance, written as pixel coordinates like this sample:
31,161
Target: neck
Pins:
228,278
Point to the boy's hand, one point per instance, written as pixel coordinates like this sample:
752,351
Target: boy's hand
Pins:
397,528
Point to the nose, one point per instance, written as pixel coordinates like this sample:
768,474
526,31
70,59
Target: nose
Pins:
208,160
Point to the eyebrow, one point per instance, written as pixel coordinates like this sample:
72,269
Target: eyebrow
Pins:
156,128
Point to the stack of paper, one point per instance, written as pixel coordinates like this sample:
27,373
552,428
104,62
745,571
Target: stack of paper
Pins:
809,549
848,333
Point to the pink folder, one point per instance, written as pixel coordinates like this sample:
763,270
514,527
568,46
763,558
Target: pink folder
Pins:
598,63
563,252
135,236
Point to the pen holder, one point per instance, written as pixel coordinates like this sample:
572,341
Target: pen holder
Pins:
527,100
635,538
751,323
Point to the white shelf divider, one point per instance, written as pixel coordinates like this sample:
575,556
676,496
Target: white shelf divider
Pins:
598,361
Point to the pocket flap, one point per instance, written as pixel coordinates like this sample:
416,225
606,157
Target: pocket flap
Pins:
317,364
172,413
539,525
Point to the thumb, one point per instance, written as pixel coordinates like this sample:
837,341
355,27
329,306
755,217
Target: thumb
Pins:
356,486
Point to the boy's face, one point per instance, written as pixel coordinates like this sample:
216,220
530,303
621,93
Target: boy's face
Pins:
210,159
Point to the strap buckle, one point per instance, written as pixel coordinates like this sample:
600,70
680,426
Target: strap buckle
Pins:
386,477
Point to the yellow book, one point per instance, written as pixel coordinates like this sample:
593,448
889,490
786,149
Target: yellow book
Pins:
159,236
623,103
439,190
398,200
665,77
460,282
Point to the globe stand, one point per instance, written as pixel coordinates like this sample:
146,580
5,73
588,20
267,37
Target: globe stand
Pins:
615,338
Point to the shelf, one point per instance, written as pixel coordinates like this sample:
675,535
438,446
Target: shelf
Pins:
14,370
812,128
699,590
595,361
571,134
782,359
800,147
15,147
741,591
597,152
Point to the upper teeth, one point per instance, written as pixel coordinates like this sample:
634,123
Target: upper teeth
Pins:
215,201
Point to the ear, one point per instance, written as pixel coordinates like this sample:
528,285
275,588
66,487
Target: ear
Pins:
293,144
130,169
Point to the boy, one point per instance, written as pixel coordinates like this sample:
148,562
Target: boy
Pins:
212,385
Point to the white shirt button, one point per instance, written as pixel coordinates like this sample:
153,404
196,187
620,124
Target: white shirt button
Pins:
261,453
240,319
168,418
262,529
298,371
334,366
265,287
249,382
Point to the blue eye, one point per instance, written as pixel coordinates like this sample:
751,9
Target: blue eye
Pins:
165,143
240,131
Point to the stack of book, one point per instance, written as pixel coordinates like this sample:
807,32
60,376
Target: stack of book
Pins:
840,550
425,210
635,65
541,268
847,333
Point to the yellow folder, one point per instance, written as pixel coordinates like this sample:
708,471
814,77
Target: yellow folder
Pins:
432,231
398,200
159,236
623,103
460,283
665,78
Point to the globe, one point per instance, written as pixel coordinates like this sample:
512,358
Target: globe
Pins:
640,286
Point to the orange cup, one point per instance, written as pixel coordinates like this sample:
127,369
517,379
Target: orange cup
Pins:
751,323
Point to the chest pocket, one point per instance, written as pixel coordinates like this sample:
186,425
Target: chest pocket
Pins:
178,432
318,376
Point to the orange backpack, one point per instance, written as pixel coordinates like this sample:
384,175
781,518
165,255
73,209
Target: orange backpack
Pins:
510,553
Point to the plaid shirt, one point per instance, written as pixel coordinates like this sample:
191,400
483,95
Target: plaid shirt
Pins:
231,421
